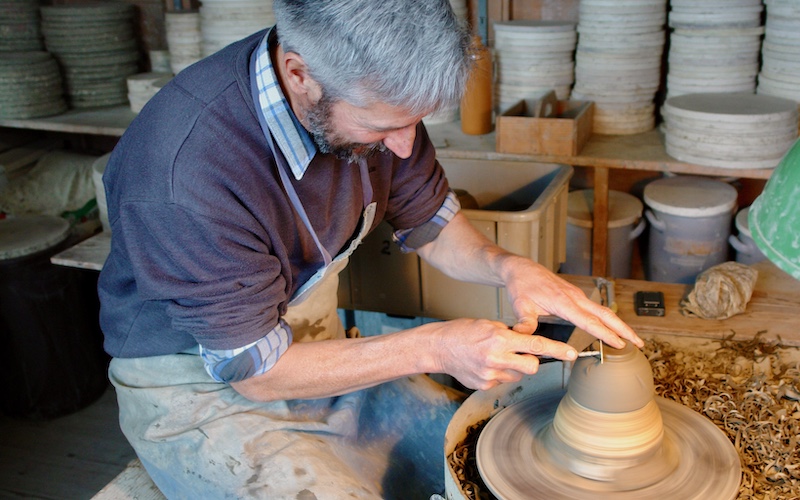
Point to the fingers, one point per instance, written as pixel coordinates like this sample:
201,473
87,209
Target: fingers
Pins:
555,295
520,360
542,346
526,348
492,377
608,327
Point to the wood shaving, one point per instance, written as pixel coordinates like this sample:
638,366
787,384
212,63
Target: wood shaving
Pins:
749,389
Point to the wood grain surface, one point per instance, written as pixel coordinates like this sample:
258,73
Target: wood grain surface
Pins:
773,310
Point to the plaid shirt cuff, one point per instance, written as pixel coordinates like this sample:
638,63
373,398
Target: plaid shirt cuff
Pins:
234,365
411,239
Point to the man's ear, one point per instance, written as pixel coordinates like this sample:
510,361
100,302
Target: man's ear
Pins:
298,79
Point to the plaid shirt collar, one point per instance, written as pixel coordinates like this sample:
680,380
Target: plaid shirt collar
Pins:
292,139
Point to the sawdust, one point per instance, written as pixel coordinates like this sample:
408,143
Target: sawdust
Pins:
749,389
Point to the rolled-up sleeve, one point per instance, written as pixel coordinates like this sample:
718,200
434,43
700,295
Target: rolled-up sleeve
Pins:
256,358
411,239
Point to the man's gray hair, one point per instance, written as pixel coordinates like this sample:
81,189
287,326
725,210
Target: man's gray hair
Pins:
412,54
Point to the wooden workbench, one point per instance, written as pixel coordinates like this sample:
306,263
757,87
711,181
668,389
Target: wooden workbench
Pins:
774,308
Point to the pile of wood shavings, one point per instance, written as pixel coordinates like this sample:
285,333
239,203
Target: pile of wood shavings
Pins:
462,462
750,390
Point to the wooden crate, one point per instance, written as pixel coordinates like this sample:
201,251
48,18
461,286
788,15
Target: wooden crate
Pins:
563,134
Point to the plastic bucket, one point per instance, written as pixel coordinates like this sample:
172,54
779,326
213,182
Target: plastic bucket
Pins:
625,224
49,328
775,215
747,252
690,223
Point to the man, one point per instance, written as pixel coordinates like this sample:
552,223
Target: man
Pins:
234,200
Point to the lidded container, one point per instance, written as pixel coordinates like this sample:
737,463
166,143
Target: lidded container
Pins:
690,223
49,328
747,252
625,224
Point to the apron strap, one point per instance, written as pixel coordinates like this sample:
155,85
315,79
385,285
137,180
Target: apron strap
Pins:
282,166
298,206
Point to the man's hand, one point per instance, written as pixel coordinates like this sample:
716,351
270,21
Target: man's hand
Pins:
463,253
535,291
482,354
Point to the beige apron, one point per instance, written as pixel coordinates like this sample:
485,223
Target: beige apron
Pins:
198,438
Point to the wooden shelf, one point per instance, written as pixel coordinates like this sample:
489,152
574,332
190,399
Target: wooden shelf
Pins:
643,151
630,152
90,253
110,121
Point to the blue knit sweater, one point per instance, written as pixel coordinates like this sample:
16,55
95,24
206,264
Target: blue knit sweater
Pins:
206,247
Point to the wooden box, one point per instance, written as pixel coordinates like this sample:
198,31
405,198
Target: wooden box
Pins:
564,133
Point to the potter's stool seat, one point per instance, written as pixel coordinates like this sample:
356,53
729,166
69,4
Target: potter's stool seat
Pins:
133,483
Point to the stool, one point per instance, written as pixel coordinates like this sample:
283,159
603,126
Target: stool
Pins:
133,483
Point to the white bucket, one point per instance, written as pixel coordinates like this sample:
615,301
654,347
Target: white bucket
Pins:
625,224
98,167
747,252
690,222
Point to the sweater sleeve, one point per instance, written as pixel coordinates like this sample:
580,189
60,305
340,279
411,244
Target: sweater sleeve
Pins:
418,187
220,281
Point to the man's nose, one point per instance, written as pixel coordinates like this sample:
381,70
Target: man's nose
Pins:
401,141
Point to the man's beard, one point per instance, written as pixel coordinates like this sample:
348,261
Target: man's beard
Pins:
327,141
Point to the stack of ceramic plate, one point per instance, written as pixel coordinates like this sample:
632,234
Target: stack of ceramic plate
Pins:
223,22
159,60
780,70
97,50
19,26
618,62
729,130
533,57
450,115
143,86
183,39
715,13
30,85
714,46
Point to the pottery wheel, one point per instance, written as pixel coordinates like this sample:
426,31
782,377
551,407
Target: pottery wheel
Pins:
515,457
